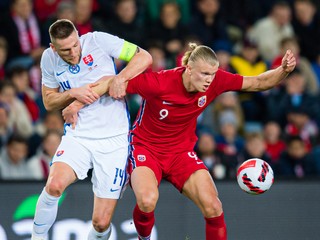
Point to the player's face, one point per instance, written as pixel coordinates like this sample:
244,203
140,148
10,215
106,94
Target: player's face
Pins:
68,49
201,75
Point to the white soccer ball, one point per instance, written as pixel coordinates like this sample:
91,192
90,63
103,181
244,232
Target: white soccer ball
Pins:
255,176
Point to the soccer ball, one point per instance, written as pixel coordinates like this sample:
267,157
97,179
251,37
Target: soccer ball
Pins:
255,176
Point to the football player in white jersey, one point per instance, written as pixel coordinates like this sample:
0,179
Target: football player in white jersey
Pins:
70,68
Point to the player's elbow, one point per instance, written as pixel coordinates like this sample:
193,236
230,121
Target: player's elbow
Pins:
147,58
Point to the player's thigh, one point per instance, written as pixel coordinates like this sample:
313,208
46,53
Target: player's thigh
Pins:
201,189
109,175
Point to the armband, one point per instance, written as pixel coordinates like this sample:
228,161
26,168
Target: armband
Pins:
128,51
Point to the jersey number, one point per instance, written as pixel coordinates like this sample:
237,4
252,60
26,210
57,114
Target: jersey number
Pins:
163,113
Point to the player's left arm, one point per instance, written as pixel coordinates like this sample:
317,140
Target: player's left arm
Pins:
70,113
271,78
138,61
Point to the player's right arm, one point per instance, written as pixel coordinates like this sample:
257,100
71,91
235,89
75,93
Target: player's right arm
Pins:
55,100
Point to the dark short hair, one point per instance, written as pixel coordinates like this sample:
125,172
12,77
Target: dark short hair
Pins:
61,29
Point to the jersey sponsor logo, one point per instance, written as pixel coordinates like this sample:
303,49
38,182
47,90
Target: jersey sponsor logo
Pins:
166,103
74,69
59,153
60,73
202,101
88,60
142,158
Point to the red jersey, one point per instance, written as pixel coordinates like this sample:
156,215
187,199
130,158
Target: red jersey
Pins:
167,119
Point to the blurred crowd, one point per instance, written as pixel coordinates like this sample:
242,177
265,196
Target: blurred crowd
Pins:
280,126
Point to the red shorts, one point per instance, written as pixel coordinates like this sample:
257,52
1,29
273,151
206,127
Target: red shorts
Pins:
176,168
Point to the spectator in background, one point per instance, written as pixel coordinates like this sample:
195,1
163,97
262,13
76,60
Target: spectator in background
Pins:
229,142
22,32
19,76
126,23
255,147
267,32
19,117
303,64
52,121
170,31
65,10
275,145
85,20
40,162
153,9
13,165
5,129
207,23
299,123
209,119
294,94
249,63
306,24
44,9
224,53
296,162
158,54
3,57
206,150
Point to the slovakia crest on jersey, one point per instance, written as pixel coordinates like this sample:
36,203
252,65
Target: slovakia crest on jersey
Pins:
202,101
59,153
88,60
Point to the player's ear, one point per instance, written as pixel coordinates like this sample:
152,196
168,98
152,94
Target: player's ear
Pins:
188,69
53,47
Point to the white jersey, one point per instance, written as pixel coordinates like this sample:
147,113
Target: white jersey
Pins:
106,117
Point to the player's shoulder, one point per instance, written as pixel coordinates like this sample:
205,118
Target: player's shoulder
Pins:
49,56
172,72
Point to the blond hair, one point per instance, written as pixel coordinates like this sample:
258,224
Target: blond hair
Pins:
200,52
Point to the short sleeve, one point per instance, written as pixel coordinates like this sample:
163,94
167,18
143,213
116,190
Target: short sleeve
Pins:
147,85
110,44
47,71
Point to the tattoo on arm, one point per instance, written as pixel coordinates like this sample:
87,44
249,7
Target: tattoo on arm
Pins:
138,50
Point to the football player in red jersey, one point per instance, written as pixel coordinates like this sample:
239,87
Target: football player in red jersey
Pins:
163,136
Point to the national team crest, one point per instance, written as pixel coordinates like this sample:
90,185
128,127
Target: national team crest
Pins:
74,69
202,101
59,153
88,60
142,158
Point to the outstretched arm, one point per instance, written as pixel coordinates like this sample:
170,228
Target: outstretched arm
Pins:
271,78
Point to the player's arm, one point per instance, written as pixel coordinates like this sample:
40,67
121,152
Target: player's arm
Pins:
138,61
55,100
271,78
70,112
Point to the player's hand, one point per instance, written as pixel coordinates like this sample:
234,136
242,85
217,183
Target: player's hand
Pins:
85,94
288,62
118,88
70,113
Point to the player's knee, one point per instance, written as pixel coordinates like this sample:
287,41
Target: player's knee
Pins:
100,223
55,187
147,202
212,207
